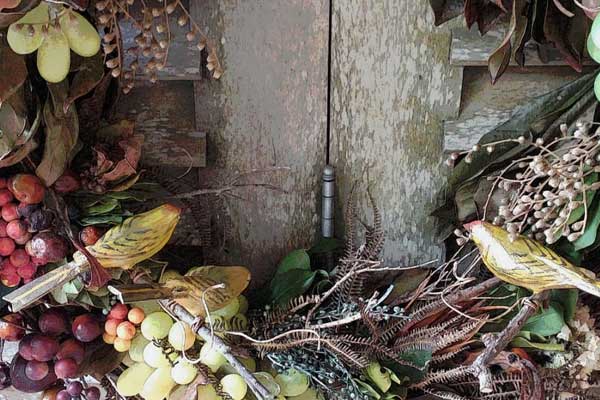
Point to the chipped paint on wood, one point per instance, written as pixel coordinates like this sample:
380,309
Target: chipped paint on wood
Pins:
485,106
268,109
165,113
393,86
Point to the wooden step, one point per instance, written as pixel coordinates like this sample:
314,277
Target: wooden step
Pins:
484,106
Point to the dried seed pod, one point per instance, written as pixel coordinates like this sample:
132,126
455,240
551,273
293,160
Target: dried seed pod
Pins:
112,63
190,36
182,20
161,28
116,72
171,7
163,44
101,5
156,12
104,18
109,37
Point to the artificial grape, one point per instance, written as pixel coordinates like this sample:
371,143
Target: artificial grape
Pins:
48,246
158,385
52,322
36,370
54,56
136,315
110,326
25,210
181,336
243,304
16,229
211,357
92,393
126,330
5,197
71,348
249,363
154,356
74,388
10,278
27,271
7,246
235,386
207,392
119,312
132,380
595,32
122,345
86,328
3,225
156,325
25,38
229,310
9,213
63,395
183,372
11,327
23,239
65,368
19,257
136,351
25,350
108,338
40,220
128,361
43,347
292,382
148,306
82,36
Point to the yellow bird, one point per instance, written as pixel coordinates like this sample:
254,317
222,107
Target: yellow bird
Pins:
210,286
526,263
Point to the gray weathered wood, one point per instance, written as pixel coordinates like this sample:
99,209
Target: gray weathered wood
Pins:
164,113
393,86
485,106
469,48
268,109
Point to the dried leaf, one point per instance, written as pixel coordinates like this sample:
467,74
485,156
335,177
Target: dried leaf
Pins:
18,154
11,126
132,147
13,15
13,72
500,4
445,10
9,4
100,359
62,131
500,58
472,9
556,26
88,76
115,132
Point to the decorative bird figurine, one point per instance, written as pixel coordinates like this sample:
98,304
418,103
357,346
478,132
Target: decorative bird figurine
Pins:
527,263
202,288
136,239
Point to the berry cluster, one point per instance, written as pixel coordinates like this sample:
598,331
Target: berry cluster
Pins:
22,216
75,390
120,326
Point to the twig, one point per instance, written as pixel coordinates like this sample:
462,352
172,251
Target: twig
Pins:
494,345
183,315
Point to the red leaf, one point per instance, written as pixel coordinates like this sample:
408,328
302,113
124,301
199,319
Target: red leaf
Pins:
9,4
472,8
556,25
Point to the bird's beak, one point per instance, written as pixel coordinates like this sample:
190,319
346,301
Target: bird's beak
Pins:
469,226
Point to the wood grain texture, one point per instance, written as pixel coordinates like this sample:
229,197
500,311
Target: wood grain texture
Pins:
469,48
485,106
268,109
164,113
392,88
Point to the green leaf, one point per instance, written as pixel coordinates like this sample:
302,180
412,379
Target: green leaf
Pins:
367,389
407,282
297,259
546,323
104,207
524,343
567,298
287,285
591,228
419,357
109,219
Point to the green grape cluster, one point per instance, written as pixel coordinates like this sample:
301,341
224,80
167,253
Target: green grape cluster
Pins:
157,372
53,38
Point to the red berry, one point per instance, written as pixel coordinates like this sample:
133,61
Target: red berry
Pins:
10,327
19,258
71,348
23,239
27,271
16,229
119,311
86,328
9,212
90,235
67,182
27,188
7,246
8,266
27,280
38,262
47,245
5,197
65,368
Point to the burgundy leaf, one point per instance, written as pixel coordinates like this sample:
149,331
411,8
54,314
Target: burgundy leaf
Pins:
13,72
445,10
555,30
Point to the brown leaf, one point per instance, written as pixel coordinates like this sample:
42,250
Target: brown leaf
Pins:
556,25
472,8
488,17
87,77
9,4
115,132
100,359
13,72
18,154
445,10
500,4
126,184
62,131
11,126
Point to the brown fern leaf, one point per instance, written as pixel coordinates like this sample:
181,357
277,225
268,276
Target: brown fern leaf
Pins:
350,222
465,332
443,376
374,235
427,332
444,395
369,321
441,358
372,348
353,358
505,395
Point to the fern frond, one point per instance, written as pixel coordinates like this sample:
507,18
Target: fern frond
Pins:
440,358
444,395
350,222
443,376
453,336
374,235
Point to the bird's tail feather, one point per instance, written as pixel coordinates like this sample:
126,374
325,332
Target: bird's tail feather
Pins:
589,285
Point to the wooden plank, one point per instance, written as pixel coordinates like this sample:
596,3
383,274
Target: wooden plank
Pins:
393,86
469,48
485,106
164,113
268,109
184,58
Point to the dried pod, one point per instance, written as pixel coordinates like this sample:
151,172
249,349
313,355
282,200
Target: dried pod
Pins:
171,7
156,12
182,20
